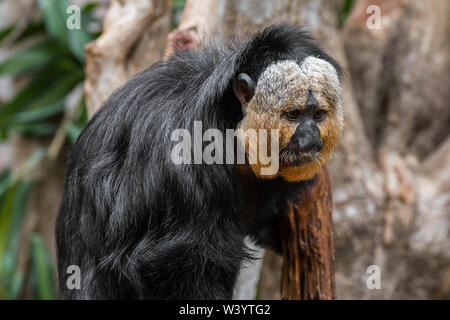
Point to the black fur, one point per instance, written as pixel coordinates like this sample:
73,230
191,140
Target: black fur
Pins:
141,227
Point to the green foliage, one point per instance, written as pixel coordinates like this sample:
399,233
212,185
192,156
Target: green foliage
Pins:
74,128
12,210
5,32
42,272
347,6
177,10
25,61
55,15
178,5
50,70
53,67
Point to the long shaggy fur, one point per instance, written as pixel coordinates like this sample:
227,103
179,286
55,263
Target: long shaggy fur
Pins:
141,227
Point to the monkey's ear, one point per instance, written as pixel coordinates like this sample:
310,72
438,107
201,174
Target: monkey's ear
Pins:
243,87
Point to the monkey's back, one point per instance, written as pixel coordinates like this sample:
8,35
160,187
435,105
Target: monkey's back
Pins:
129,216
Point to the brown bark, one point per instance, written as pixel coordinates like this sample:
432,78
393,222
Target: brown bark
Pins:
400,75
308,249
133,38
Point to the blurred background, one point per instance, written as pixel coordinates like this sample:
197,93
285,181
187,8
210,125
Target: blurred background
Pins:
390,176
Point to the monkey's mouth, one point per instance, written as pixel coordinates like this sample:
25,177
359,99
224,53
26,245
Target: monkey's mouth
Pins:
292,156
289,158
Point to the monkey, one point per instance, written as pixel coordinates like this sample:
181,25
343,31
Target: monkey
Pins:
140,226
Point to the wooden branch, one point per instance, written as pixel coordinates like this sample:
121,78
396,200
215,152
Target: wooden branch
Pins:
196,22
308,250
133,38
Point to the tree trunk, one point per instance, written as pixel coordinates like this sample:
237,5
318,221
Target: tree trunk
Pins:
133,38
401,222
308,249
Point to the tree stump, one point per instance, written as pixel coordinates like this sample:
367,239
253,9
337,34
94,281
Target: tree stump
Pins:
308,249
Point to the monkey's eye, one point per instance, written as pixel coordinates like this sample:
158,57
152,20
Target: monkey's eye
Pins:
292,115
319,115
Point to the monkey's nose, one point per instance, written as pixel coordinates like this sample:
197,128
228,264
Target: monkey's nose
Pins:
310,143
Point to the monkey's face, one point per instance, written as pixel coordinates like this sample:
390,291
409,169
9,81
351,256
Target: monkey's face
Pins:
304,103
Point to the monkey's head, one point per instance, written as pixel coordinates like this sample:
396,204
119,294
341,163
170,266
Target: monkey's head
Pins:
301,100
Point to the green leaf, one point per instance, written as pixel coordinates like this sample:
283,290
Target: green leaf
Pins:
42,270
7,180
73,131
89,7
28,94
12,212
177,9
5,32
30,59
345,10
56,15
32,29
53,16
5,222
178,5
58,90
37,114
18,213
15,286
36,129
84,117
74,128
45,97
5,177
8,269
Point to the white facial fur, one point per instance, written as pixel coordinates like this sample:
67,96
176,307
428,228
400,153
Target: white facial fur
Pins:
285,83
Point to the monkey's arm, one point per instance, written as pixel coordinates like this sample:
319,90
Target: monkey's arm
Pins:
266,230
189,267
266,202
